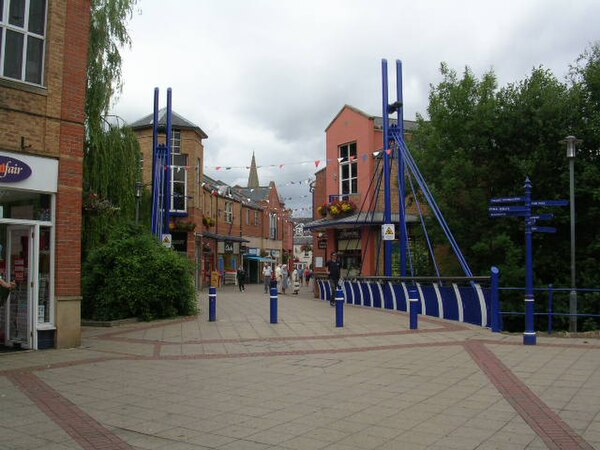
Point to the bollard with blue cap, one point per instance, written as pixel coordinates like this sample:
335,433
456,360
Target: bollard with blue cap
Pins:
212,304
274,304
339,308
414,305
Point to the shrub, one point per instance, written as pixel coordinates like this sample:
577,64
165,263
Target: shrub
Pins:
133,275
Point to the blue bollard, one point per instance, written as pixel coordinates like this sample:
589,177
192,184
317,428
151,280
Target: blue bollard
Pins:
339,308
495,300
413,300
274,305
212,304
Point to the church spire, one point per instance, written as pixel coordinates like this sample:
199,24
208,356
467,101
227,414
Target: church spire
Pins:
253,177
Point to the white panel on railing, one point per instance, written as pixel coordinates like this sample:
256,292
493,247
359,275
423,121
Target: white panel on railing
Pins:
461,315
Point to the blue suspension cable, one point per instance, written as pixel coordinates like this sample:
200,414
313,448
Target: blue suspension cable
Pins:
429,197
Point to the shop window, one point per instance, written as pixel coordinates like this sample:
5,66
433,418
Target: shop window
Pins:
348,169
23,40
25,205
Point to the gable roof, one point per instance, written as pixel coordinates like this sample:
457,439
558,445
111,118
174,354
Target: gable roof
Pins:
409,125
177,121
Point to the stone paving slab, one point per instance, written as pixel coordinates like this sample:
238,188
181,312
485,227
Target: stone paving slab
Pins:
241,382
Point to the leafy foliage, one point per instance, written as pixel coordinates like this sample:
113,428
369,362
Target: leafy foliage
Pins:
112,155
133,275
482,142
108,33
111,169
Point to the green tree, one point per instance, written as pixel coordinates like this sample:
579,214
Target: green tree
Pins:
482,142
112,155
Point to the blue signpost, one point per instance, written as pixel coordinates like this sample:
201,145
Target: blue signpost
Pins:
524,210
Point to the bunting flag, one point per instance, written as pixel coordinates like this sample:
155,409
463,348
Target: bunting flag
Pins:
317,162
389,151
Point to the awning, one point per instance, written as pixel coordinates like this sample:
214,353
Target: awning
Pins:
222,237
259,258
354,220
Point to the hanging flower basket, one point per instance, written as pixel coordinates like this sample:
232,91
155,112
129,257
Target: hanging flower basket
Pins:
341,208
208,221
182,225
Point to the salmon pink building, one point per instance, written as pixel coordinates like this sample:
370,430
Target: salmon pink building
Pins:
347,197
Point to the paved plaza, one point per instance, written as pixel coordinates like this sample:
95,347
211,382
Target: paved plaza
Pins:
243,383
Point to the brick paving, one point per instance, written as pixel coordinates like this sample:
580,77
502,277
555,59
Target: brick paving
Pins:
241,382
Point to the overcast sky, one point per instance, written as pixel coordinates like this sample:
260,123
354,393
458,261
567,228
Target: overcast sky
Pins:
268,76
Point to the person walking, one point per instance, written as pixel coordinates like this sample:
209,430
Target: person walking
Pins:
267,274
285,278
278,277
307,275
296,279
334,268
241,278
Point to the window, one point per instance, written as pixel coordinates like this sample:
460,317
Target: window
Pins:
229,212
22,39
273,226
348,169
247,217
178,175
256,218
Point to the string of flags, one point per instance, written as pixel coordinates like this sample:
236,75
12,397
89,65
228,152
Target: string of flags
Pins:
316,162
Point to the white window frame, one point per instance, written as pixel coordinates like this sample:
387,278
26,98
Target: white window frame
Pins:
345,152
6,26
176,169
229,212
256,221
273,226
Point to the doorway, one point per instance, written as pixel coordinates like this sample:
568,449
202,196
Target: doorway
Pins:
17,265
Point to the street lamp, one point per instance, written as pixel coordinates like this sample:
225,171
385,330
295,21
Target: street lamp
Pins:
138,197
571,142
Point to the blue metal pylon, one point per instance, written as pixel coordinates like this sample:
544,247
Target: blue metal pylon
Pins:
394,145
161,172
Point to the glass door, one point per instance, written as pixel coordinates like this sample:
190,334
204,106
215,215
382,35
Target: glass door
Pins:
20,303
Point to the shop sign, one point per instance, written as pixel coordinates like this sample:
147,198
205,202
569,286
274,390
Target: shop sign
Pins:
253,251
348,234
13,170
228,247
275,253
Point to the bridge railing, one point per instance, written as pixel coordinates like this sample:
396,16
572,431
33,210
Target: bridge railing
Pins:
464,299
552,302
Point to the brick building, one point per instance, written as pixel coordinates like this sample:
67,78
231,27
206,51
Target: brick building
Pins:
187,171
354,145
43,60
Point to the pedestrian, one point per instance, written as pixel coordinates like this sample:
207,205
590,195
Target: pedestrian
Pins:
5,288
307,275
278,277
296,277
267,274
285,278
333,270
300,274
241,278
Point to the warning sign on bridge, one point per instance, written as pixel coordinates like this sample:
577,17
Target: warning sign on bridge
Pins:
388,232
166,240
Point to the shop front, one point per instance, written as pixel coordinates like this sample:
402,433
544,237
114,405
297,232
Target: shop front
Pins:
28,187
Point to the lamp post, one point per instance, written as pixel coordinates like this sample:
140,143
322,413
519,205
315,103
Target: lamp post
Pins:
138,196
571,142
